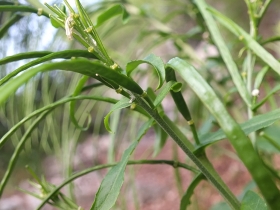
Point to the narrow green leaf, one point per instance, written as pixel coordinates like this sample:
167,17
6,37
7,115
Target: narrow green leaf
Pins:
256,123
234,133
165,90
123,103
25,55
249,41
62,54
252,201
177,96
111,185
154,61
115,10
22,8
81,66
224,51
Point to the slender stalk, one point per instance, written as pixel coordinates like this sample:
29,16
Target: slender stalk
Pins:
214,179
263,11
251,60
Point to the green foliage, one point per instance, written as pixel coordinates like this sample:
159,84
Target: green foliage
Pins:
251,201
210,95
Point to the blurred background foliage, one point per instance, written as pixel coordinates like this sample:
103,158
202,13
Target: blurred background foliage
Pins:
163,27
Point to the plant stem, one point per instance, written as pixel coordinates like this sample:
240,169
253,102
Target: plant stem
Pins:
132,162
212,177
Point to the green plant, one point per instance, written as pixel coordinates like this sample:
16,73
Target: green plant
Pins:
95,62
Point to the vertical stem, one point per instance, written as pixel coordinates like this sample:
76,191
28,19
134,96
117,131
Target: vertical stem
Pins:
250,60
214,178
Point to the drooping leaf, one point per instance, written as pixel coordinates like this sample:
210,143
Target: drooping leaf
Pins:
154,61
111,185
234,133
123,103
252,201
82,66
49,56
115,10
254,124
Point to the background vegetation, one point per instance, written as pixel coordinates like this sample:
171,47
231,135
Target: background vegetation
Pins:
132,30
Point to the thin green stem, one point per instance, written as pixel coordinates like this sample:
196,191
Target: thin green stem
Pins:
8,24
21,8
263,11
272,39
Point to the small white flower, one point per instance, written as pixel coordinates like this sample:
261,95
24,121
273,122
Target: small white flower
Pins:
255,92
69,27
